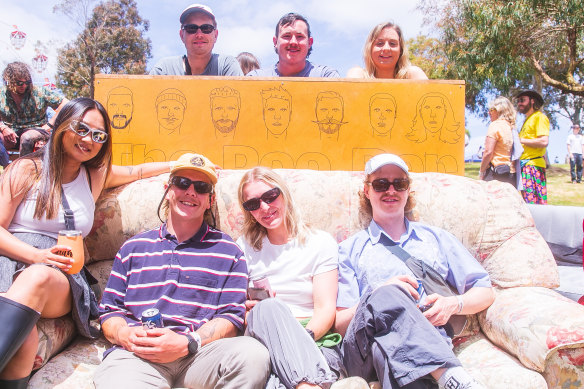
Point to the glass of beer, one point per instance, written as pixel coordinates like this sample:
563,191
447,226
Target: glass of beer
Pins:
73,239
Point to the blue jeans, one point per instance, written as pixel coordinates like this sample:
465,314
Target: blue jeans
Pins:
389,339
576,167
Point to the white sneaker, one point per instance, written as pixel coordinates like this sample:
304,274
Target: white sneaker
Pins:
350,383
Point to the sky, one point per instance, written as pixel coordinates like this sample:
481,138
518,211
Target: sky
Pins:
339,29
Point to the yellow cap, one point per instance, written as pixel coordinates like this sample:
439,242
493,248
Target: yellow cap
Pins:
198,162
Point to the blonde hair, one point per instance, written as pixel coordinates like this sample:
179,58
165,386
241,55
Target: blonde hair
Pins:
403,63
505,109
253,231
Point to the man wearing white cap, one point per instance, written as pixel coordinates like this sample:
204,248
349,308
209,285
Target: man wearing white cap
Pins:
391,332
198,32
196,278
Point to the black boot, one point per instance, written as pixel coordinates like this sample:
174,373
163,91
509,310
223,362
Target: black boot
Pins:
18,321
21,383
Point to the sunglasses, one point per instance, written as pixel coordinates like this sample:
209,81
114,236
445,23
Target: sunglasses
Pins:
82,129
183,183
383,184
193,28
21,83
268,198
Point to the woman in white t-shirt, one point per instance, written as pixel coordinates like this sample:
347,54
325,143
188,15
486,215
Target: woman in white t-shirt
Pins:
300,264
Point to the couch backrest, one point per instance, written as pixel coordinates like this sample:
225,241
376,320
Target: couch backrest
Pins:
490,219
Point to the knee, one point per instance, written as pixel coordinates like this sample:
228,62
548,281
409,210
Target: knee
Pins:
391,294
270,307
252,357
38,278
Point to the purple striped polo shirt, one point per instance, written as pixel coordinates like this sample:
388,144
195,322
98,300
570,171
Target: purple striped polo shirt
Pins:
190,283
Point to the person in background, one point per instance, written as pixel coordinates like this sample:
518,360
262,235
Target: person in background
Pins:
293,44
248,62
23,107
575,144
496,162
534,136
387,336
386,56
198,32
196,277
70,172
300,265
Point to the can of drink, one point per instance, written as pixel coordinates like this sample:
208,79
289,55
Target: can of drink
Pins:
263,283
151,318
422,294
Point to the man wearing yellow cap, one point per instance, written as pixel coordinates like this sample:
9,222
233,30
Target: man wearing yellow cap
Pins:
196,277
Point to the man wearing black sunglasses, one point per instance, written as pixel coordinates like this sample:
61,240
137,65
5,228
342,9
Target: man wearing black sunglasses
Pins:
389,333
198,32
196,277
23,107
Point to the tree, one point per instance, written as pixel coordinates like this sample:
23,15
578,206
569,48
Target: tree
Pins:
112,41
498,46
430,55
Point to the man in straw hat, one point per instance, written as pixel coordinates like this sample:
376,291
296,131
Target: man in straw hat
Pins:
196,277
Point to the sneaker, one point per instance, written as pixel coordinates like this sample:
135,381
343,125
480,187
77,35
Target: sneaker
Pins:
452,383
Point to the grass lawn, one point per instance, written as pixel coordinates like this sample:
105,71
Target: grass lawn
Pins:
560,190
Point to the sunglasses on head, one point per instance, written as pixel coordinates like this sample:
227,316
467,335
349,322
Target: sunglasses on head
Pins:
383,184
183,183
82,129
21,83
193,28
267,197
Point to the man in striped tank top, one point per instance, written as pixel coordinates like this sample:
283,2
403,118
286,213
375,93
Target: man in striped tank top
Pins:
196,277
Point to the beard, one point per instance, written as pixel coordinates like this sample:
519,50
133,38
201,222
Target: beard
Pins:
225,129
120,121
330,126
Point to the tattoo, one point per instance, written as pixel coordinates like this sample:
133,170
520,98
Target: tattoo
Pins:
207,331
130,169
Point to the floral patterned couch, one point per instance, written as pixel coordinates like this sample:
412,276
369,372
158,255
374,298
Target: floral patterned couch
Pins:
531,337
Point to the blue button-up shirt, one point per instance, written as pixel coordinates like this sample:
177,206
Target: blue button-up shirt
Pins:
365,261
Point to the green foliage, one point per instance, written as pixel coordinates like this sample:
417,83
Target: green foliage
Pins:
429,54
111,42
499,46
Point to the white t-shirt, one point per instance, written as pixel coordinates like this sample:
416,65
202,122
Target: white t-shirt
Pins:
291,267
575,142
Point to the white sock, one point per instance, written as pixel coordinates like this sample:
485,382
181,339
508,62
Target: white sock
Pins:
457,378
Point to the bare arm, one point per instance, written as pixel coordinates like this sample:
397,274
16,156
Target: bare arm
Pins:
539,142
52,121
216,329
324,295
343,318
121,175
487,155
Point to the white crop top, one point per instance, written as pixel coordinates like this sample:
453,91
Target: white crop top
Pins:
79,198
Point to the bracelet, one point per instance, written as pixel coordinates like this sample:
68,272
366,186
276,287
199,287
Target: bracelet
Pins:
460,303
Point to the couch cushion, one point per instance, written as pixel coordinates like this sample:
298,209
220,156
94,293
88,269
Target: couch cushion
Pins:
73,368
494,368
533,323
54,335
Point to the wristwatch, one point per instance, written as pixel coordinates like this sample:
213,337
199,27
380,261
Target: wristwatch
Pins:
194,342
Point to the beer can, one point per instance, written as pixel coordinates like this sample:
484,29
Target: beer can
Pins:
151,318
263,283
422,294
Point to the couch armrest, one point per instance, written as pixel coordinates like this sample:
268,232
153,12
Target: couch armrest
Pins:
532,323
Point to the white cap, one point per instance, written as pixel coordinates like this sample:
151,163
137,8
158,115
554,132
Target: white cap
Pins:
385,159
195,8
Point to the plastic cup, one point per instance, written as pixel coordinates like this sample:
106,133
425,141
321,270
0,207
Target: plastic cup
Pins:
73,239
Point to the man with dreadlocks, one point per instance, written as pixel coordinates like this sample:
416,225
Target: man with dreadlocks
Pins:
23,119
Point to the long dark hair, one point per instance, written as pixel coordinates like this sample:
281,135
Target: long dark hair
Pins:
51,159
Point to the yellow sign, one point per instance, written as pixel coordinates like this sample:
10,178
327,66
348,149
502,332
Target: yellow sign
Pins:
322,124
